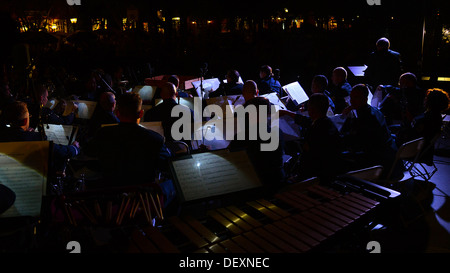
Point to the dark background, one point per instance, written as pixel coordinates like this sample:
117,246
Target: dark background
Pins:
298,53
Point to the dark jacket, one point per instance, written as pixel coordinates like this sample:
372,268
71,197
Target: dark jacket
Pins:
128,153
338,94
162,112
268,164
322,148
269,85
369,135
383,68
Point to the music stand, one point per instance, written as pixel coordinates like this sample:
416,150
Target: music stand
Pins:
210,175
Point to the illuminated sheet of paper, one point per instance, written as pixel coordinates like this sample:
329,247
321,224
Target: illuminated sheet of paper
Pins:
59,134
239,81
296,92
189,102
215,173
155,126
273,98
339,120
23,169
146,92
290,130
358,70
85,108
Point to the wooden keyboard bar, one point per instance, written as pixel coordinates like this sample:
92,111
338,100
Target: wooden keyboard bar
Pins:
236,220
204,232
272,215
194,237
247,218
160,240
225,222
273,207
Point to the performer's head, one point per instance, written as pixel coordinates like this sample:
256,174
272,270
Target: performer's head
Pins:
437,100
17,115
358,96
168,91
339,76
129,108
318,105
383,44
319,84
265,71
108,101
250,90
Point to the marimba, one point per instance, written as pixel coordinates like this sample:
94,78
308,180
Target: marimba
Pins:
296,220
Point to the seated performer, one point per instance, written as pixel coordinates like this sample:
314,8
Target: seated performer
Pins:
366,134
232,87
18,119
428,124
339,89
268,164
128,153
322,144
162,112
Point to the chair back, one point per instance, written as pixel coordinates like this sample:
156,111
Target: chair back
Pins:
370,174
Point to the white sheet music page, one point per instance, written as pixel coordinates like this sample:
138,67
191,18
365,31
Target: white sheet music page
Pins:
59,134
296,92
23,169
215,173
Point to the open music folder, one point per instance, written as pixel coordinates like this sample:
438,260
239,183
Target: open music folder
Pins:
61,134
24,169
212,174
296,92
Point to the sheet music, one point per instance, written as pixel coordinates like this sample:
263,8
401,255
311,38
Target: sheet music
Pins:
339,120
275,100
154,126
59,134
23,169
239,81
290,130
215,173
189,102
296,93
209,85
357,70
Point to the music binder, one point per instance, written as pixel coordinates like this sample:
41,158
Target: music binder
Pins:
213,174
296,92
61,134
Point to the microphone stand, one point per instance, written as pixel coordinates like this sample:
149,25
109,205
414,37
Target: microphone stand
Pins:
105,83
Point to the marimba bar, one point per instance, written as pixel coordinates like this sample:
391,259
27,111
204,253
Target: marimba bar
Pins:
294,221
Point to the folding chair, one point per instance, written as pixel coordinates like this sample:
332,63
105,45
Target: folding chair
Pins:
371,174
418,168
407,154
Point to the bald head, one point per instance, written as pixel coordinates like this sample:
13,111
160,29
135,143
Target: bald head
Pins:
339,75
108,101
168,91
250,90
383,44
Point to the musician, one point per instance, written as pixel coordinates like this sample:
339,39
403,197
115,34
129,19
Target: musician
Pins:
231,87
319,85
104,114
18,119
128,153
162,112
339,89
428,124
404,102
267,83
366,134
384,66
176,81
268,164
322,144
